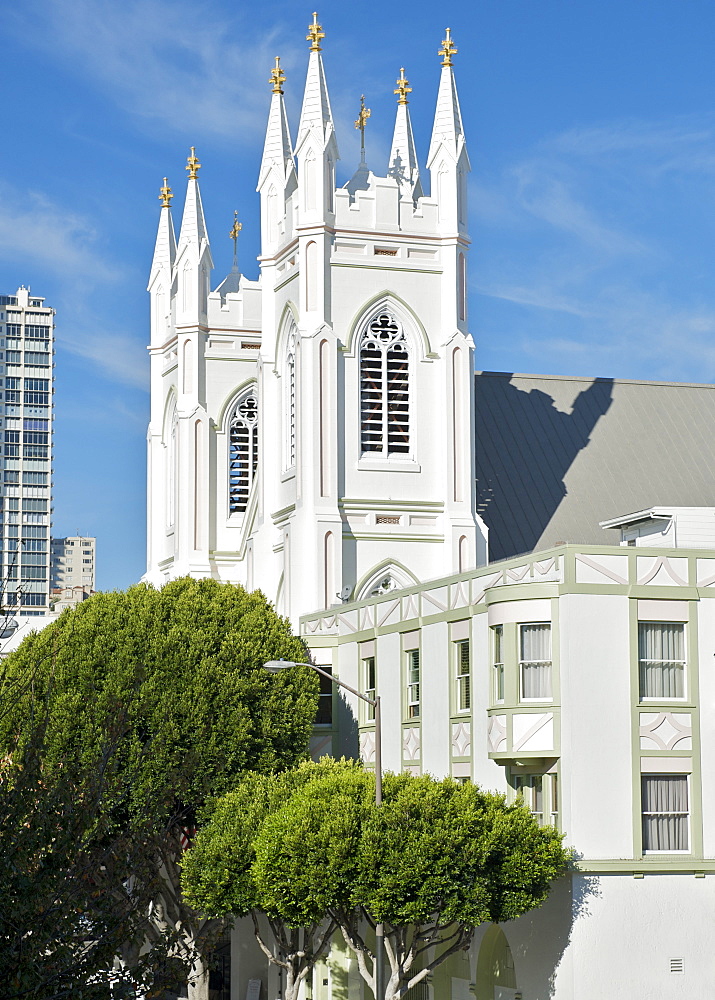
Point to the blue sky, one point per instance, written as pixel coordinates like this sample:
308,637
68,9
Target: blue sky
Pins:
591,131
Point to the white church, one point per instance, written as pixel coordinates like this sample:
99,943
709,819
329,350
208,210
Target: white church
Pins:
522,567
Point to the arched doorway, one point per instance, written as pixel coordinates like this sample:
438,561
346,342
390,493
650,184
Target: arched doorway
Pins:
496,978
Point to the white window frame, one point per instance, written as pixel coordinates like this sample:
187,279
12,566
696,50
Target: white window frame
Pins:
462,679
385,331
682,664
369,667
497,642
412,684
687,813
246,422
290,401
525,663
540,794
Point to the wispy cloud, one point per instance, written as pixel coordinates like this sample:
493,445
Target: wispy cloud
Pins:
687,143
121,357
56,239
551,198
179,63
39,236
599,238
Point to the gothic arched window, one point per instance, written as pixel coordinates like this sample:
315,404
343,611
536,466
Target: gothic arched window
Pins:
171,484
243,452
384,388
290,400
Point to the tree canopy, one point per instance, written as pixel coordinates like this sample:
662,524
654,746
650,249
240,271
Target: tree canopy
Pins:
173,680
219,872
434,861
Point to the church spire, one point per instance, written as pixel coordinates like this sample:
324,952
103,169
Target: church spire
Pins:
193,224
316,116
447,130
447,159
403,165
160,276
193,256
277,149
165,246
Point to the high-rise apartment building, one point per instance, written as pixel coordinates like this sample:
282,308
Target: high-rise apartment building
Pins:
26,364
73,562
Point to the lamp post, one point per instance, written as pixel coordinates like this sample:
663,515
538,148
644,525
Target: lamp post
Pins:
275,667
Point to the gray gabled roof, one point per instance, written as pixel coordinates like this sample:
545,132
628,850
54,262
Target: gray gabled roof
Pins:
556,455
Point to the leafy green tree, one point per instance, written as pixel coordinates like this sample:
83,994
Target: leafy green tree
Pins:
432,863
183,668
74,884
218,871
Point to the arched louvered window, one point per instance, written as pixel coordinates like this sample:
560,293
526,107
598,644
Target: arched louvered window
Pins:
290,400
384,388
171,469
243,452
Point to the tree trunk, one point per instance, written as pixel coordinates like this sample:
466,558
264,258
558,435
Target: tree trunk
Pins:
199,981
392,987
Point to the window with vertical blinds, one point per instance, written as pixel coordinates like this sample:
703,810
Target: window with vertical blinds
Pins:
413,683
384,388
243,452
463,692
661,655
666,812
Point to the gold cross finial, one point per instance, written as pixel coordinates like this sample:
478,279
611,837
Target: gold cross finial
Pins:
360,123
403,89
235,230
448,49
165,195
315,34
278,77
192,164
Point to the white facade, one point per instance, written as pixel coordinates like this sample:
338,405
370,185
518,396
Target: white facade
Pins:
26,414
587,689
323,366
681,527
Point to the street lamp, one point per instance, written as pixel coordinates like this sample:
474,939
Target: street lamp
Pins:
275,667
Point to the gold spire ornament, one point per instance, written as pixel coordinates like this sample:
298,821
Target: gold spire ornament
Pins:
192,164
315,34
361,122
403,88
448,49
277,77
165,195
235,230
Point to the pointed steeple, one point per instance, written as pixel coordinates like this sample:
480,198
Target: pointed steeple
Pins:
404,166
193,264
447,130
160,276
316,116
277,150
193,224
165,246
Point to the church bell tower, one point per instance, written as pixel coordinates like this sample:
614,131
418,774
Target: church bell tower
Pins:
329,444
